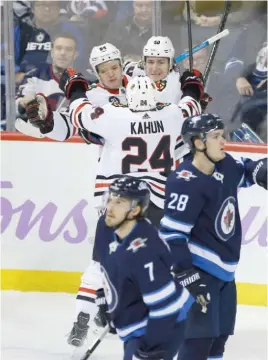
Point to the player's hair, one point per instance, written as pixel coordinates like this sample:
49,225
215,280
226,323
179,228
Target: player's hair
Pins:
64,35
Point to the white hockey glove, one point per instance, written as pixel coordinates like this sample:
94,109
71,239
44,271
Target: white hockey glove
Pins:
190,106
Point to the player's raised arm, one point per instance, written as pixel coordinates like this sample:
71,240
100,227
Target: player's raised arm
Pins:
252,172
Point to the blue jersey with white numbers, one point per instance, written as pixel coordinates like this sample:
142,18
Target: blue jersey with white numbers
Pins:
143,299
201,220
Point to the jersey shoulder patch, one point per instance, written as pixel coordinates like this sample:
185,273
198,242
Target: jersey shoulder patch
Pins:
92,86
118,104
160,106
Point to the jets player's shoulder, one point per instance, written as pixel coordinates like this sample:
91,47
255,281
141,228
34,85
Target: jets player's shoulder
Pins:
144,242
185,176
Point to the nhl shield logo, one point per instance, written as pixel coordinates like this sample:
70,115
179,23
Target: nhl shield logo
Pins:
225,220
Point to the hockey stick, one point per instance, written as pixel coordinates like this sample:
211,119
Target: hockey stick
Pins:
96,343
227,8
203,44
189,28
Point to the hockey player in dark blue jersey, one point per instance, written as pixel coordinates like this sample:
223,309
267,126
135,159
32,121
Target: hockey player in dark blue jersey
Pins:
202,226
144,303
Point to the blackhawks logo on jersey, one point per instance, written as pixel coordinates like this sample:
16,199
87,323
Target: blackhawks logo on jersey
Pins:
225,220
161,85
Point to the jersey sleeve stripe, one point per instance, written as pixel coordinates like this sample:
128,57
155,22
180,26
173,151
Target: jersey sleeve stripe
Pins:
77,112
125,331
172,236
160,294
171,224
172,308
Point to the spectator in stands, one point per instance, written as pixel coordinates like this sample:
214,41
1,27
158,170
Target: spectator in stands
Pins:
48,23
252,87
45,79
200,59
130,34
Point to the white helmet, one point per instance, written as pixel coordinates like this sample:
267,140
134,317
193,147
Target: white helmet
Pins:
160,46
140,94
102,53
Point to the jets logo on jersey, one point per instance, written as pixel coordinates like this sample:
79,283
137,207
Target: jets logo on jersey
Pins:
225,220
109,290
136,244
113,99
185,174
161,85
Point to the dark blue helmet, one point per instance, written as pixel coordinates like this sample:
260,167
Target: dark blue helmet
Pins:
199,126
134,189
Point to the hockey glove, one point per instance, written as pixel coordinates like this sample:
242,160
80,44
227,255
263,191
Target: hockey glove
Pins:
192,84
192,280
152,355
39,114
72,82
103,317
206,99
259,174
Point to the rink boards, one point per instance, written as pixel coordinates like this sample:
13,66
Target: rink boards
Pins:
48,219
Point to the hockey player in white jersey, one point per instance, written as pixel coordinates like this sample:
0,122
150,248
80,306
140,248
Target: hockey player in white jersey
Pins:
158,63
139,139
106,62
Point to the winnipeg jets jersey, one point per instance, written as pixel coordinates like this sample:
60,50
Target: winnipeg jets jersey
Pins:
201,220
168,89
41,80
140,143
98,95
142,297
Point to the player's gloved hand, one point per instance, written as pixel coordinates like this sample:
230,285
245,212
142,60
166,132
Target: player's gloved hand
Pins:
71,82
39,114
192,280
260,173
205,100
193,82
152,355
103,315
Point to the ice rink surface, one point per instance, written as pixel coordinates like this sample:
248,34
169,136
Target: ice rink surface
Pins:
34,326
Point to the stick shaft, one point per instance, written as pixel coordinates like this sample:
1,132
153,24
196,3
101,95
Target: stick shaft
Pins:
96,343
189,28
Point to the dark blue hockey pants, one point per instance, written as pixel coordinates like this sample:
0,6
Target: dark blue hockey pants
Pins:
206,334
172,347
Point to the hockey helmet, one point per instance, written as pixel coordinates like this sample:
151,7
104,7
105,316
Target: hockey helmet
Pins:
141,94
160,46
200,126
134,189
103,53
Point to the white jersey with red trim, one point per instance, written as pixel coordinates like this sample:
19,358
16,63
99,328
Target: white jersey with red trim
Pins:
169,88
138,143
98,95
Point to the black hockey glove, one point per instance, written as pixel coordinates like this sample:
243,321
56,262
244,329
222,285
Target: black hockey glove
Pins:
205,100
192,84
39,114
192,280
152,355
103,317
72,82
259,174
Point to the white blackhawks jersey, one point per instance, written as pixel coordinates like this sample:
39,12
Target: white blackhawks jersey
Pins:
138,143
168,89
98,95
